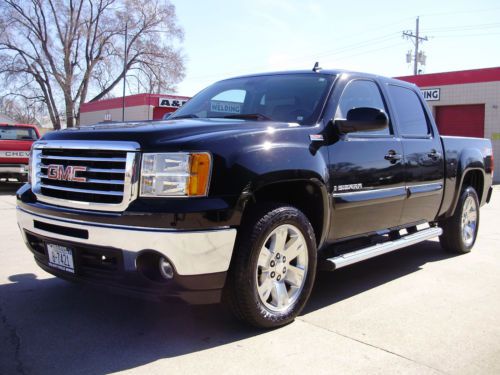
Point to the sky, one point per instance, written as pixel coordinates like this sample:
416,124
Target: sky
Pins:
225,38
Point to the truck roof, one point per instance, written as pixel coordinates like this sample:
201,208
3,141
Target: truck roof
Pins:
23,125
330,72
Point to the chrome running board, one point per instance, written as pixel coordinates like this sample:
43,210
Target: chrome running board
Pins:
382,248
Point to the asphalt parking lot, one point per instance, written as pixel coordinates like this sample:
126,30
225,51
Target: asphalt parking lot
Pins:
418,310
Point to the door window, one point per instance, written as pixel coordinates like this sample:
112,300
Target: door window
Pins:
411,116
362,93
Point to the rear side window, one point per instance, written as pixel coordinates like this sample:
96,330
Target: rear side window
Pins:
411,115
361,93
18,133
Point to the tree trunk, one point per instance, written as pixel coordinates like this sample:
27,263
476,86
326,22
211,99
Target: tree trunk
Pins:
70,107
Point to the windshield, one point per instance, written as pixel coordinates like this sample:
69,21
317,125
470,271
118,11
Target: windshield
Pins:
296,98
19,133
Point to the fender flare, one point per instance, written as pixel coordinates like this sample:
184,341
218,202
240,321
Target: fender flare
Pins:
296,176
470,160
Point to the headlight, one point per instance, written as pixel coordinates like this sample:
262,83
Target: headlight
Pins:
175,174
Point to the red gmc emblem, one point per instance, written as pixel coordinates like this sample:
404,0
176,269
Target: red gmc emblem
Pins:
62,173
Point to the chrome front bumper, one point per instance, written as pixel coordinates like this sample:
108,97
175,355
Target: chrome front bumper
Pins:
14,169
190,252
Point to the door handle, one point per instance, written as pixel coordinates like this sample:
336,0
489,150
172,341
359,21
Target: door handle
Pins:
434,155
392,156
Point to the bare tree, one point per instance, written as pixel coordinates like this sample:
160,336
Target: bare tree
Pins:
22,110
65,52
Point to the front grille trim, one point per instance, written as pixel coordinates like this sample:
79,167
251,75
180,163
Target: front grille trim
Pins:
93,181
41,188
83,191
82,158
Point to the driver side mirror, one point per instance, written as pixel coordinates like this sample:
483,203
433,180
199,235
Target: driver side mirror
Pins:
362,119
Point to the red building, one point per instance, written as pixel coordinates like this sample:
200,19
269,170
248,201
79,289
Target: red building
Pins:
138,107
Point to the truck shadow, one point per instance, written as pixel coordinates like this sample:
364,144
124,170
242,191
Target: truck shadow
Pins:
332,287
58,327
9,187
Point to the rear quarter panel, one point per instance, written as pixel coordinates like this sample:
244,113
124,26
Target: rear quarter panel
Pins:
464,154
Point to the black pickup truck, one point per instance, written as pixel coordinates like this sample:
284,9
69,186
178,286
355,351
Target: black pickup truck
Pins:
249,188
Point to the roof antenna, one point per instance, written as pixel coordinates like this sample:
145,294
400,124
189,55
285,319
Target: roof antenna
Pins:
316,68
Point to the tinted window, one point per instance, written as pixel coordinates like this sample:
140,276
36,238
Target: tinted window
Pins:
295,98
411,115
361,93
19,133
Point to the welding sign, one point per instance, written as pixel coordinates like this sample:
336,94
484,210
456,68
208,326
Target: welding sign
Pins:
225,107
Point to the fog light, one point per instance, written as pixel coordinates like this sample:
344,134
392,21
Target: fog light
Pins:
166,269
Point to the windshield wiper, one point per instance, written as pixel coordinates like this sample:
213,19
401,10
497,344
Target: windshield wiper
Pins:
183,116
249,116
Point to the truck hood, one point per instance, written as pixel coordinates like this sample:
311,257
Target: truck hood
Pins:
151,135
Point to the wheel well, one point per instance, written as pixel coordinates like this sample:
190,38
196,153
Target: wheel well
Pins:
476,180
304,195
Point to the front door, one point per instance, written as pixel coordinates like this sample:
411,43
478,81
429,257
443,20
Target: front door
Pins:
366,170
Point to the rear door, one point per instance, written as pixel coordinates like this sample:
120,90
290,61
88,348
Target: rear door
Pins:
366,169
424,162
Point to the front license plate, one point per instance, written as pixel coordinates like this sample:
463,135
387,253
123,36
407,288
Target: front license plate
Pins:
60,257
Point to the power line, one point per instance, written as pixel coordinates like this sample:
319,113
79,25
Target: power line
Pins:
463,28
312,56
370,51
468,35
363,44
363,32
460,12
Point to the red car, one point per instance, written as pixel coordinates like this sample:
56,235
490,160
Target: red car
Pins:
15,145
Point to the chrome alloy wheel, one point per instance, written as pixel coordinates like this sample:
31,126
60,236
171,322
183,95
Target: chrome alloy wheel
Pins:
469,221
282,268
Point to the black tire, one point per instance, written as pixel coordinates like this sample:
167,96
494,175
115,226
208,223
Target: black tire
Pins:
242,283
453,239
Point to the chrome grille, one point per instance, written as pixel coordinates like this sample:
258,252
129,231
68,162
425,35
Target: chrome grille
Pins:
106,179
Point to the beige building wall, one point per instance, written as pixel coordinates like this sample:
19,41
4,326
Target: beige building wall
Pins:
487,93
137,113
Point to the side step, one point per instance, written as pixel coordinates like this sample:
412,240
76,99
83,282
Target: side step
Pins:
382,248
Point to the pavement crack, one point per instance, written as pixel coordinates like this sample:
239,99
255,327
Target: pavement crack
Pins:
372,345
15,341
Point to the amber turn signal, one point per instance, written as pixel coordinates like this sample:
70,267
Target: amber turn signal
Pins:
199,174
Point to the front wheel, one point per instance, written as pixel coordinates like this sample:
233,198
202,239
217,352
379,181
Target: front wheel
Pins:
273,268
460,230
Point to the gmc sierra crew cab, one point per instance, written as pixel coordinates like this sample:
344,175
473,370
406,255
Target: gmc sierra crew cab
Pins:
15,145
249,188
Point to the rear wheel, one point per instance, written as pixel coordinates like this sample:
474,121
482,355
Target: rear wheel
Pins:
273,268
460,230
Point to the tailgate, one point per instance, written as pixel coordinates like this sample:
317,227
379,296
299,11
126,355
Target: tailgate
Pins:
14,151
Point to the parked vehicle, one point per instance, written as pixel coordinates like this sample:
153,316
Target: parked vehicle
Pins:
249,188
15,145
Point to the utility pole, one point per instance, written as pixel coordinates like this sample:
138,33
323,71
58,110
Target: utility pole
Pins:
125,58
416,39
